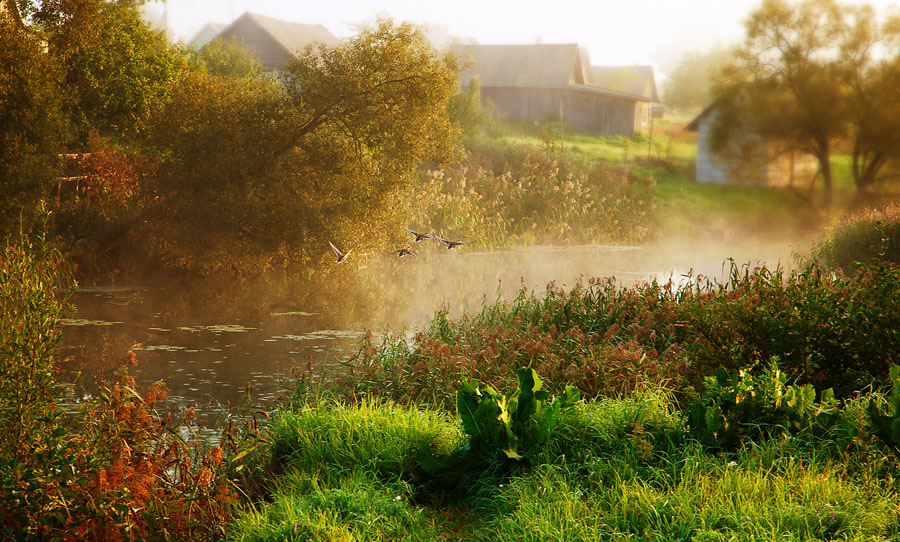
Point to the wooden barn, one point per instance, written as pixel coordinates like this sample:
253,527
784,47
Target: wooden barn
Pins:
751,163
274,41
549,82
636,80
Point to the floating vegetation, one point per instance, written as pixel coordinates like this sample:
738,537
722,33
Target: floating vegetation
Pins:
159,329
294,313
83,322
228,328
159,347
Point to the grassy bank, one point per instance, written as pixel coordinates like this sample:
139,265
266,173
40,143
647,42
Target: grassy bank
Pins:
613,469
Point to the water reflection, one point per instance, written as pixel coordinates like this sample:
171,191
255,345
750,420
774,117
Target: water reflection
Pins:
225,345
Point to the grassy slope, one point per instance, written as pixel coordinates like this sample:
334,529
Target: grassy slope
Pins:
614,470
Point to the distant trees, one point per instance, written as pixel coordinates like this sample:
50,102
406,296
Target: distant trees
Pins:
689,86
808,76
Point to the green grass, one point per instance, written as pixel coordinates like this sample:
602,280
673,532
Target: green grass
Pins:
615,469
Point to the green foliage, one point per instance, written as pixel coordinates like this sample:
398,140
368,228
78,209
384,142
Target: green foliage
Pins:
869,237
467,112
885,415
689,85
506,424
32,274
115,68
32,127
227,58
733,409
786,88
323,153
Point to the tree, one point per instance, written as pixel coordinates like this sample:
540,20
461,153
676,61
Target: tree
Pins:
262,172
689,85
32,126
782,88
872,81
806,78
226,57
115,68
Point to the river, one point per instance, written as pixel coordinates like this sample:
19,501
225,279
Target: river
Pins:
211,357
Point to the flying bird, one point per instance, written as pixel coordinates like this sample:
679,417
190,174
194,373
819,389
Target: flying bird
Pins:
419,236
451,244
404,252
341,257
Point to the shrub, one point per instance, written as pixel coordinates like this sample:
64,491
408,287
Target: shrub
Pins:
734,408
861,238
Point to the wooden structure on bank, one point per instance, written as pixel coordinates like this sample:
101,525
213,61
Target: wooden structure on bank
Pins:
275,42
751,162
550,82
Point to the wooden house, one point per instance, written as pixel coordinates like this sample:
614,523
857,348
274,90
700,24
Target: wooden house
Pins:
636,80
206,35
274,41
750,162
548,82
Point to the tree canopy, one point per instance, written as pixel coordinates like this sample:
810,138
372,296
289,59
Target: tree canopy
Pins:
807,77
262,172
689,85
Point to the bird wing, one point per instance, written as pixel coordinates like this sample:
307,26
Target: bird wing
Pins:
335,249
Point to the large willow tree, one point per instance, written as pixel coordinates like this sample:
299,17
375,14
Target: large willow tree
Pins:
809,76
260,172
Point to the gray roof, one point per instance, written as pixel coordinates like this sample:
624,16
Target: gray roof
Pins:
530,66
292,37
536,66
637,80
203,36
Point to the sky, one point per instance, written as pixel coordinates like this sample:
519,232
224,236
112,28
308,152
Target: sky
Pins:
615,32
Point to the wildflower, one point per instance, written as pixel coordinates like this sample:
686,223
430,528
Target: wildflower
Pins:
397,498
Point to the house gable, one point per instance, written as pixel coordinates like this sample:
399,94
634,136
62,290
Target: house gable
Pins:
274,41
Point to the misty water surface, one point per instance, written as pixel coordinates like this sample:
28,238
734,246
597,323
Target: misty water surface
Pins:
208,356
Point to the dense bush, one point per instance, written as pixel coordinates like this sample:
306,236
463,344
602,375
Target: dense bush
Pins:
607,340
864,237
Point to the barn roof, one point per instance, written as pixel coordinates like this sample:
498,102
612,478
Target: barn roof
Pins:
291,37
530,66
694,125
637,80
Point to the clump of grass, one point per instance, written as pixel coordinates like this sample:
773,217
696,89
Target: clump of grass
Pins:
860,238
378,437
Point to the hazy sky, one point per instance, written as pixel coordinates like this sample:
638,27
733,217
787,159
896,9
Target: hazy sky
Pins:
616,32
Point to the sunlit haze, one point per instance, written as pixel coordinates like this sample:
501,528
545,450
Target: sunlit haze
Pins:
654,32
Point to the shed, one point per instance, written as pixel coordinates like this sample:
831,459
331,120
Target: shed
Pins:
751,162
548,82
274,41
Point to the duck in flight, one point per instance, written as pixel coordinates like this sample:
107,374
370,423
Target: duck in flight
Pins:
341,257
419,236
404,252
451,244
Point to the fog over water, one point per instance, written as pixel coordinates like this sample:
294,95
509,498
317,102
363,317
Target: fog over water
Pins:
207,357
